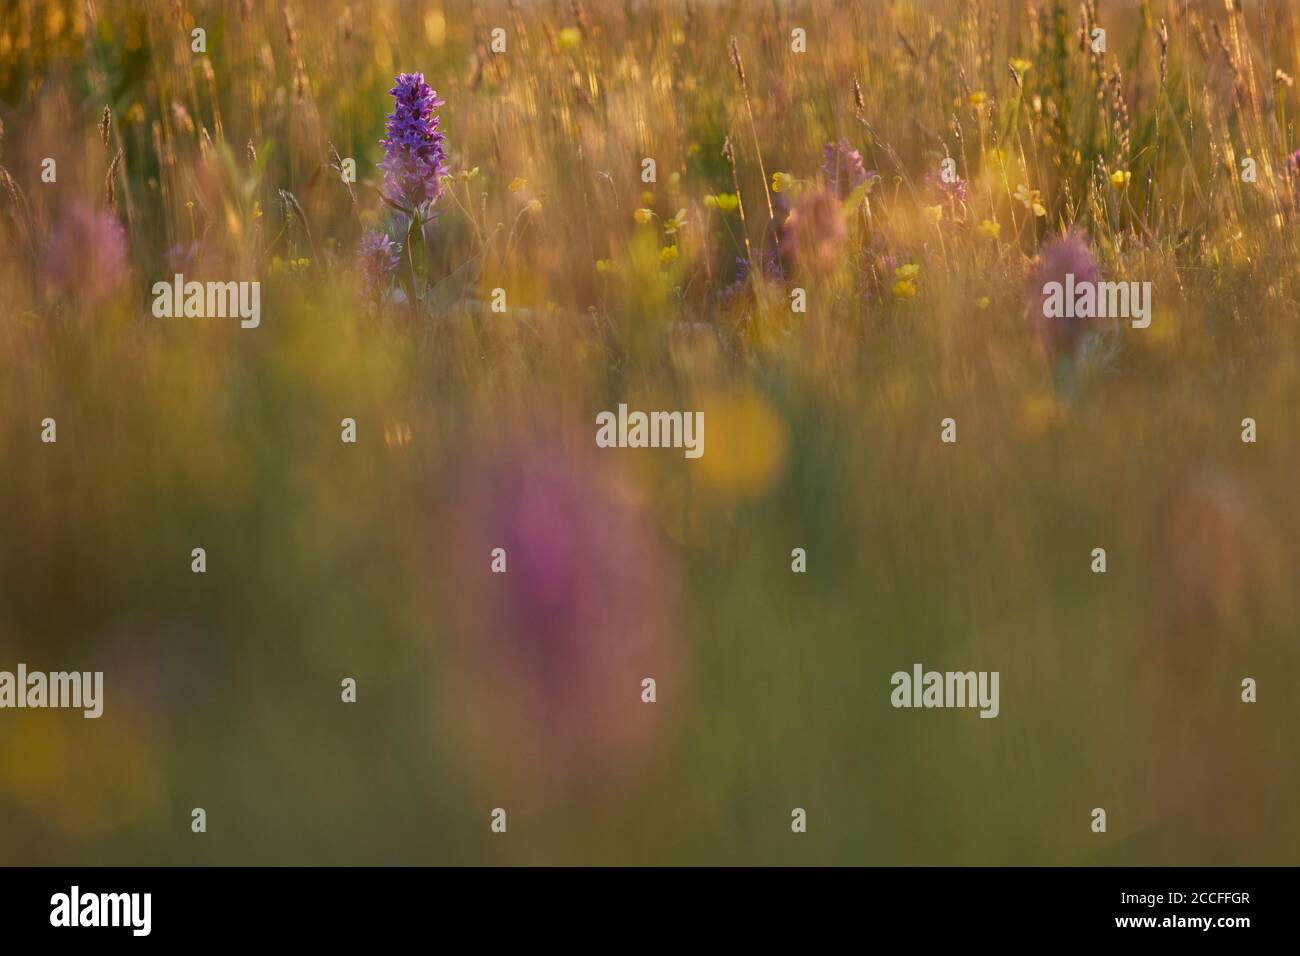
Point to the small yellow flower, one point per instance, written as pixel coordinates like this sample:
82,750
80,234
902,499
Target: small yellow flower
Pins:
1120,178
257,209
672,225
570,37
727,202
693,149
1040,412
517,184
534,206
782,182
977,98
905,289
668,255
1021,66
982,302
675,180
644,216
465,175
1031,199
647,198
934,213
990,228
908,272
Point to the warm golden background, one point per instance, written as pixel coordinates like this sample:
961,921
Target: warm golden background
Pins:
476,430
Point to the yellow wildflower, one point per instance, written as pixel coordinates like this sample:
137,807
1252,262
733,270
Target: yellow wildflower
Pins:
908,272
750,444
644,216
570,37
1031,199
934,213
990,228
782,182
668,255
517,184
905,289
1040,412
1120,178
977,98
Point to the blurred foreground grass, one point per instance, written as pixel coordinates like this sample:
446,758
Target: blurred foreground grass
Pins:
328,560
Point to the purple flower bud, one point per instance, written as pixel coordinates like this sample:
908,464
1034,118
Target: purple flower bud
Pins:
843,167
185,257
377,259
1292,164
944,190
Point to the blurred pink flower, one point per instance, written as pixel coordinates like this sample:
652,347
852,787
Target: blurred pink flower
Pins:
815,231
85,254
583,613
1068,254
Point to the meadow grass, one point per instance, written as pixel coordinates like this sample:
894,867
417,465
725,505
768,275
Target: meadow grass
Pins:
325,560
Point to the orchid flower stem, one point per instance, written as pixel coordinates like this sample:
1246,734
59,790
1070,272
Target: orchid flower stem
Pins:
410,261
